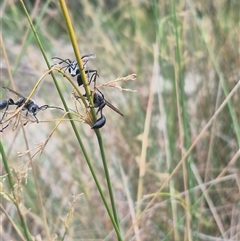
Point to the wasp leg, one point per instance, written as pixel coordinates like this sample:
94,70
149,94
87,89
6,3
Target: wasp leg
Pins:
4,128
35,118
92,78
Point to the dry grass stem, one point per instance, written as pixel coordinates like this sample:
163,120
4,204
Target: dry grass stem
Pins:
69,217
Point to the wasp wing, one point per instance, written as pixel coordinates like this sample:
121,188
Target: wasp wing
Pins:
86,57
13,91
44,107
113,107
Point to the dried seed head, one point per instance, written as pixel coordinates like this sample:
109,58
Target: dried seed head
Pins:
113,83
84,114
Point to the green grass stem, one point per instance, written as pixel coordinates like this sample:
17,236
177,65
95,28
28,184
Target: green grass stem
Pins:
87,89
11,184
114,220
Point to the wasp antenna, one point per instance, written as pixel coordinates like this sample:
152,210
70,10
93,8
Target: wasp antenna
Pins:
67,61
57,58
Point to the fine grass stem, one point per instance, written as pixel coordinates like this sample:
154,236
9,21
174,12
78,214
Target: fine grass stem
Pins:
182,120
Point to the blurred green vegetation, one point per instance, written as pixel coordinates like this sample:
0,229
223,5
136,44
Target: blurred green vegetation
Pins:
188,51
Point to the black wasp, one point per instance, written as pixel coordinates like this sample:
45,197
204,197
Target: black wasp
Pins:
73,68
100,102
31,107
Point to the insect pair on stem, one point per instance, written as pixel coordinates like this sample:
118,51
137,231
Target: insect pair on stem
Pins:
30,106
98,98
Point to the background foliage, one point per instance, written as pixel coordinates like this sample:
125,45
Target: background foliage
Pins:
186,56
